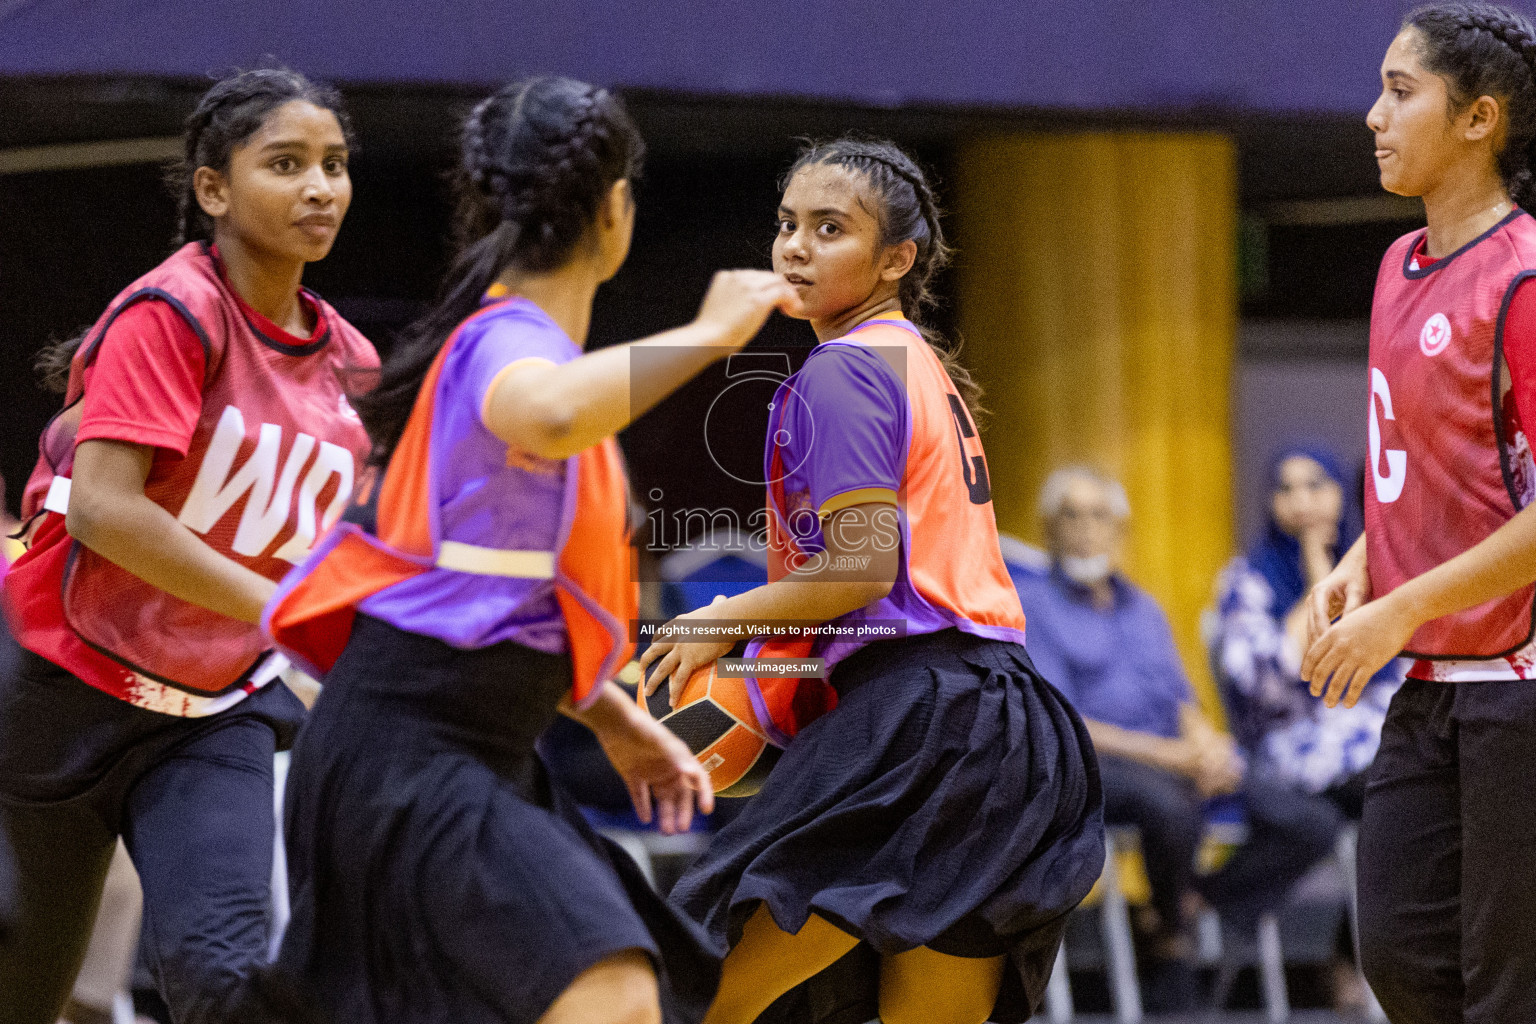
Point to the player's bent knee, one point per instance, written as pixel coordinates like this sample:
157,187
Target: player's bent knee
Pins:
618,990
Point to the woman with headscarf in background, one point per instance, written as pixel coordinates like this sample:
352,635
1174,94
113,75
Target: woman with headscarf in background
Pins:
1286,734
1259,642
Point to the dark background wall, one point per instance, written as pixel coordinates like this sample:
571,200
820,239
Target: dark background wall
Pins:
73,238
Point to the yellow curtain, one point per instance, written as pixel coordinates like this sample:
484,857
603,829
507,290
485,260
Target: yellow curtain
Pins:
1098,306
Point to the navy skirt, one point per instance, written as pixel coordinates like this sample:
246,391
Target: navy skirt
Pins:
952,800
436,874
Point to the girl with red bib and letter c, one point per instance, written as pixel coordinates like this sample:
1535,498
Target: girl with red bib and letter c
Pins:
205,442
937,802
1444,573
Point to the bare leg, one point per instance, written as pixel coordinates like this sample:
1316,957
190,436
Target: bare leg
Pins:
618,990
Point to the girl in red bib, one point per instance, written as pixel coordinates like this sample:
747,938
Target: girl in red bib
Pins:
437,874
943,813
204,443
1444,573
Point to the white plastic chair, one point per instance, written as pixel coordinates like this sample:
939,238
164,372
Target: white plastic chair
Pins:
1115,917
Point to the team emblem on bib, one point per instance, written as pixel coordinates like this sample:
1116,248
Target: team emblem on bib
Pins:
1435,335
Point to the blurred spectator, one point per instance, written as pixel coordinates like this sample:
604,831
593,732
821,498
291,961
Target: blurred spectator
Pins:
1256,651
1287,734
1108,647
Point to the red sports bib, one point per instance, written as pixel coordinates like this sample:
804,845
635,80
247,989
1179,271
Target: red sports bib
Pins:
1439,480
271,464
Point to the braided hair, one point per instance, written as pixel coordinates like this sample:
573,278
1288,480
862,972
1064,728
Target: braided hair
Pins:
225,117
537,160
905,205
1487,50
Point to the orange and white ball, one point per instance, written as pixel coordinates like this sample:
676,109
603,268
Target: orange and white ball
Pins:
714,717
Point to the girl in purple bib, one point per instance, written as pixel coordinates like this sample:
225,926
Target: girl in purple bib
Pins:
917,847
438,875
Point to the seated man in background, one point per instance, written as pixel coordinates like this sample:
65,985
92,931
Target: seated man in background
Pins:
1108,647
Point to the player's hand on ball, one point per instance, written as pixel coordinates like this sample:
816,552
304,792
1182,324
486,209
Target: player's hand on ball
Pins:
1341,661
659,771
677,660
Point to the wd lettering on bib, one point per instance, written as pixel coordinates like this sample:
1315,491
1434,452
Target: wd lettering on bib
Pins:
270,464
269,497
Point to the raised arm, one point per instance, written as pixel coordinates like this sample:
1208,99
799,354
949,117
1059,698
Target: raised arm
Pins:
554,411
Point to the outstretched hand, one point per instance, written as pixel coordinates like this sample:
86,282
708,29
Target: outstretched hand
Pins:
659,771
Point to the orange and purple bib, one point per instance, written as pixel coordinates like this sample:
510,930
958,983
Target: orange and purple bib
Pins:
471,542
872,418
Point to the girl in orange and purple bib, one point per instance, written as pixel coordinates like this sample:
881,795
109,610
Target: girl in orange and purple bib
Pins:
483,586
937,802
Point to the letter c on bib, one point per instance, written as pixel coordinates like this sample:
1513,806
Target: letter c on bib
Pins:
1390,487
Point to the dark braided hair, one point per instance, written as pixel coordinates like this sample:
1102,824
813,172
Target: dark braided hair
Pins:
225,117
537,160
1487,50
907,211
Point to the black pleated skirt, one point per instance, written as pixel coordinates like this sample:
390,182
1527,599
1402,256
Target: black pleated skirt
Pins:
437,876
952,800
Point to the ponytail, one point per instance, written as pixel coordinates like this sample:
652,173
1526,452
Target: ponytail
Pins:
537,160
